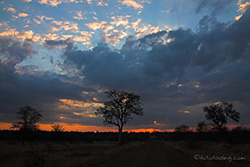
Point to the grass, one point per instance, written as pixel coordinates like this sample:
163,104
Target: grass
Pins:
215,154
52,154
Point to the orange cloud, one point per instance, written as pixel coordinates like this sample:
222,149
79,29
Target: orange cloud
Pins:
9,32
185,112
243,6
51,2
11,10
95,25
22,15
156,123
85,114
79,104
216,103
132,3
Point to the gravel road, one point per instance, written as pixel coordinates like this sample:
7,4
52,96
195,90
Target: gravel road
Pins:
152,154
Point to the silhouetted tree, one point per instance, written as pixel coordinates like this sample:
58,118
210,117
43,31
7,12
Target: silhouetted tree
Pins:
219,114
202,127
182,128
28,118
119,108
57,128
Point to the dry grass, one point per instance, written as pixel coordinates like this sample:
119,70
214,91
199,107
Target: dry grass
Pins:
52,154
215,154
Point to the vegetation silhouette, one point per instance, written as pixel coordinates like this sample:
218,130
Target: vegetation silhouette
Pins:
28,118
219,114
121,106
119,109
182,128
203,127
57,128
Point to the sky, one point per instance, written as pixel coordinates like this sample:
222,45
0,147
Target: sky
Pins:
60,56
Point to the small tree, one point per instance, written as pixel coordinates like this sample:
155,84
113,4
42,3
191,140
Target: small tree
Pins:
28,118
57,128
119,108
182,128
219,114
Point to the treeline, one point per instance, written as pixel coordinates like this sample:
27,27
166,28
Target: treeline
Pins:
241,136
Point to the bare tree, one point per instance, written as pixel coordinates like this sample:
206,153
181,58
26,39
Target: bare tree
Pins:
119,108
57,128
28,118
219,114
182,128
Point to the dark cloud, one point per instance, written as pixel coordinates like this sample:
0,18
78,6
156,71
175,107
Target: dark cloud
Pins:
194,68
175,71
13,52
23,85
214,5
67,44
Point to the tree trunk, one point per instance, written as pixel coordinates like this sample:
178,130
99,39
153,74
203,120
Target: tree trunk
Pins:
120,136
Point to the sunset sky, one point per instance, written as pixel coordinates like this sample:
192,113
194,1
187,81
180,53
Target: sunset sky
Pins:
60,56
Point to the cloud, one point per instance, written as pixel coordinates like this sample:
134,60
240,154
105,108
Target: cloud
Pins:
79,16
102,3
14,52
27,0
96,25
51,36
37,21
65,25
132,3
22,15
26,85
114,37
10,9
9,32
243,6
99,2
172,71
79,104
55,3
174,66
24,35
120,20
55,44
213,5
50,2
170,11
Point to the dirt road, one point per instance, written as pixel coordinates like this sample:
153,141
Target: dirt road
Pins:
153,154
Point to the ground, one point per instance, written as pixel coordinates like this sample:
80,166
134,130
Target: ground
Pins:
132,154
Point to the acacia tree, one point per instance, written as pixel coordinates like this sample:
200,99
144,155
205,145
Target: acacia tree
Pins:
119,109
28,118
219,114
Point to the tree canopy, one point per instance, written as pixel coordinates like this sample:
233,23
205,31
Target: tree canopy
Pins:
220,113
120,108
28,118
